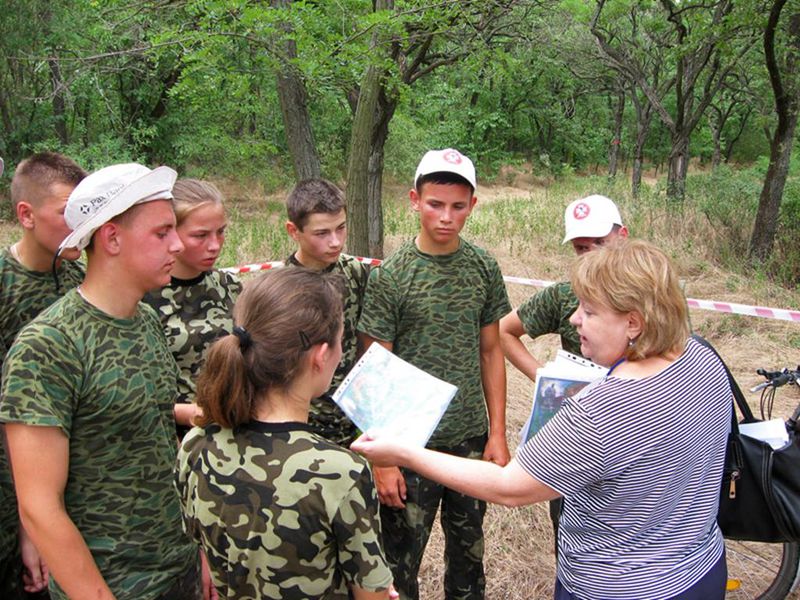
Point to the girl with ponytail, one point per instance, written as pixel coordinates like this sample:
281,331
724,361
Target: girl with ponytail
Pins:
280,511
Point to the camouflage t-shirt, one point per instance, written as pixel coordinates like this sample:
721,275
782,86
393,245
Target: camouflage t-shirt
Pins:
548,311
23,295
109,385
194,313
432,309
281,512
325,415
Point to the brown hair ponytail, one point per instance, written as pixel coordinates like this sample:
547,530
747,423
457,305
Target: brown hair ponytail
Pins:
279,317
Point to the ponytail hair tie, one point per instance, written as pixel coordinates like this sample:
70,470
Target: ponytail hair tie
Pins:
245,341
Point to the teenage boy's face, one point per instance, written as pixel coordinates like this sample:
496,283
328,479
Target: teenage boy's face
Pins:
322,239
587,244
149,244
443,210
46,218
202,233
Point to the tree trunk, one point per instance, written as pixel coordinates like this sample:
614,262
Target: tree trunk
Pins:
769,202
644,116
787,106
715,125
297,124
385,111
293,99
678,164
59,105
613,150
358,165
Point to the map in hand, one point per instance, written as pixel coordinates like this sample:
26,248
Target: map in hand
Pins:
383,394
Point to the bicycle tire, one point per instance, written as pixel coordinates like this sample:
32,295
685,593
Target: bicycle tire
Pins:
762,571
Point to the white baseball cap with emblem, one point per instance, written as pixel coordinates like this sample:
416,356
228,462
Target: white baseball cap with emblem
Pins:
592,217
109,192
446,161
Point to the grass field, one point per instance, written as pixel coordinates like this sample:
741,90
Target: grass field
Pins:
522,226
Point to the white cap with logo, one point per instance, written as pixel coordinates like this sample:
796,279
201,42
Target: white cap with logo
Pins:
109,192
446,161
593,217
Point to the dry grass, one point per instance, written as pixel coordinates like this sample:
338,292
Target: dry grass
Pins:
520,222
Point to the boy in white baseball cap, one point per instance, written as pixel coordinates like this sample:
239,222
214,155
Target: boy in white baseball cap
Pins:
589,223
592,222
437,302
87,399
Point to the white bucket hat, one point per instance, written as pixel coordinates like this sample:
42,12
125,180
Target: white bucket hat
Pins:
593,217
110,192
446,161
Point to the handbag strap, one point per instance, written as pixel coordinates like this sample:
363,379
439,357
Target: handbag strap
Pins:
738,396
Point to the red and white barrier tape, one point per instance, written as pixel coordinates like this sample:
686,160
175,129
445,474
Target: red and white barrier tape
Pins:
782,314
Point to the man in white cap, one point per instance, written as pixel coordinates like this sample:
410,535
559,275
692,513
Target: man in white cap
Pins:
436,303
590,223
87,398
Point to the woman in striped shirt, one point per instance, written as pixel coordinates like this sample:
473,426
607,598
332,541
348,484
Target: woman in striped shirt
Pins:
637,456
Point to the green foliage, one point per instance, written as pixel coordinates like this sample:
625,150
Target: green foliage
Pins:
728,199
784,264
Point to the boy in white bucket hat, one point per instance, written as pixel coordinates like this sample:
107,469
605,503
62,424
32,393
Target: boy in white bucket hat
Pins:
87,398
589,223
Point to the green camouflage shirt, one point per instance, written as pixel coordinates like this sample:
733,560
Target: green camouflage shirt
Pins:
109,385
23,295
325,416
194,313
432,309
548,311
281,512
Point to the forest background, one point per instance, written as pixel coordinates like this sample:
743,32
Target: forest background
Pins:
264,93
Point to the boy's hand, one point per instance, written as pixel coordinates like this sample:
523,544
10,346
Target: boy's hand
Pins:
35,575
391,486
209,591
496,450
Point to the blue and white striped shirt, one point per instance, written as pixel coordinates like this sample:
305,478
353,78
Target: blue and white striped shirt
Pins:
639,462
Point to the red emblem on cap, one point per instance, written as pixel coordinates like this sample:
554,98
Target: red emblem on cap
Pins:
581,211
452,156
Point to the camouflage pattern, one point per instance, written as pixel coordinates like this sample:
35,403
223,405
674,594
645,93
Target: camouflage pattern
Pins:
23,295
548,311
281,512
109,385
194,313
406,532
432,308
325,415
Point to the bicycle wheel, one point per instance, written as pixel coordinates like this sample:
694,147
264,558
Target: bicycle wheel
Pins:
757,570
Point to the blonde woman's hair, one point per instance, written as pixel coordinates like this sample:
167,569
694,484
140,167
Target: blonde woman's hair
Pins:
190,194
635,276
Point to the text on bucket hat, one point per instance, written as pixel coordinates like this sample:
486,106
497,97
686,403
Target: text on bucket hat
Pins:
592,217
109,192
446,161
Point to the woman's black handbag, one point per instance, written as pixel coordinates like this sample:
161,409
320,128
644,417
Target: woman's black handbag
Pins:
760,496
